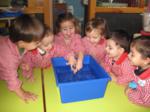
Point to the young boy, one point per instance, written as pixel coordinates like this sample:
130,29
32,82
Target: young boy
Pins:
25,34
116,61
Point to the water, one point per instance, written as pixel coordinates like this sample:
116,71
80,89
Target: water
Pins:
64,74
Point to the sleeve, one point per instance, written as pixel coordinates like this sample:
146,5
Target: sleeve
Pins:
12,80
106,64
85,45
61,51
145,96
78,46
9,63
10,75
127,73
27,64
103,54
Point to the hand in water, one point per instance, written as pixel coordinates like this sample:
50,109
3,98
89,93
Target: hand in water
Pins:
72,63
77,67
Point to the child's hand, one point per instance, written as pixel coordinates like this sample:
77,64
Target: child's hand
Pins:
113,77
127,89
31,79
25,95
79,65
72,63
25,67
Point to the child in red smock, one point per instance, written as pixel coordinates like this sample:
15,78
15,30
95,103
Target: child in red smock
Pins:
138,90
25,34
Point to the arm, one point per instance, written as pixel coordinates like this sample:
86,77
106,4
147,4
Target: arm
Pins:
106,64
145,93
15,85
26,65
127,73
61,51
79,63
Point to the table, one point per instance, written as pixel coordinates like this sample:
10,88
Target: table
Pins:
113,101
9,102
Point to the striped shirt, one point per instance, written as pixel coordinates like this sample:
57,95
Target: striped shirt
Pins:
122,68
34,59
74,44
9,61
96,51
141,95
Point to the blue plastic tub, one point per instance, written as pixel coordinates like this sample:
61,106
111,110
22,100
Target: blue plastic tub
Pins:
89,83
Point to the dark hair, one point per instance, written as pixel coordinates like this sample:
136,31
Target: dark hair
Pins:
121,38
142,45
98,23
48,31
67,17
26,28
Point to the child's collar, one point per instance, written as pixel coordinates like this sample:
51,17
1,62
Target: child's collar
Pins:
145,74
122,58
101,41
34,51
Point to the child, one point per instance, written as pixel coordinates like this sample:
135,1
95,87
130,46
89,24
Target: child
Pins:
68,36
116,61
139,93
33,59
95,40
25,34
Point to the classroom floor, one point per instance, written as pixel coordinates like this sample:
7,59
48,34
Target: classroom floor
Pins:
113,101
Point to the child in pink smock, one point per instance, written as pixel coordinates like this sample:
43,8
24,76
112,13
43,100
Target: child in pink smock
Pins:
95,40
25,34
69,37
138,90
33,59
116,61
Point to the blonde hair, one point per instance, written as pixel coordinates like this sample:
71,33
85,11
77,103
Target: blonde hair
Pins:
47,31
98,23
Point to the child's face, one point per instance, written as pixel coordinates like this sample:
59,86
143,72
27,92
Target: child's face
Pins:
136,58
94,36
47,42
112,49
67,28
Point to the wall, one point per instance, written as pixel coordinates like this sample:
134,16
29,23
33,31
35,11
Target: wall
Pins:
78,8
130,22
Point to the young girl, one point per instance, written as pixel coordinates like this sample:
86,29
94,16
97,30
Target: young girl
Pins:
139,89
95,40
116,61
25,34
68,36
35,58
